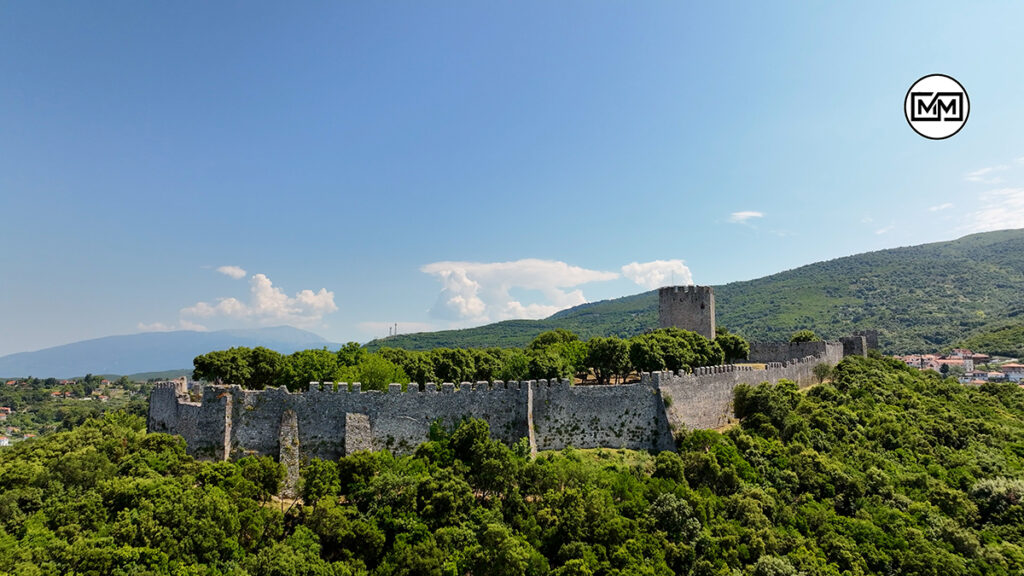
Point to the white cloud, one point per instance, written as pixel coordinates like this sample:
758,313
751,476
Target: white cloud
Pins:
475,292
940,207
996,210
269,305
161,327
744,216
985,175
885,230
187,325
233,271
658,273
154,327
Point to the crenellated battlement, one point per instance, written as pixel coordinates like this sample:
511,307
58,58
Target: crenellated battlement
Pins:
688,307
332,419
429,387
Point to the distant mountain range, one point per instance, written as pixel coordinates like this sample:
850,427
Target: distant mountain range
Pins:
150,351
920,298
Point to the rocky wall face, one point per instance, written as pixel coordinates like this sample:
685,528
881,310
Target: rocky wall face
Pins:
163,410
623,416
785,351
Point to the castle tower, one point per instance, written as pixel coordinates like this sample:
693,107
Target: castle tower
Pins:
688,307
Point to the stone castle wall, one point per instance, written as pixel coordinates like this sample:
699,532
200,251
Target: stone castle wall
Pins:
703,399
329,421
761,352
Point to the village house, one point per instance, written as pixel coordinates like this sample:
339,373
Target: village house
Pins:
1014,372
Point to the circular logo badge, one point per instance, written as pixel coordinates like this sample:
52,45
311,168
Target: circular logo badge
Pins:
936,106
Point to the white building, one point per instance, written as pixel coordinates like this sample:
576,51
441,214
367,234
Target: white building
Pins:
1014,372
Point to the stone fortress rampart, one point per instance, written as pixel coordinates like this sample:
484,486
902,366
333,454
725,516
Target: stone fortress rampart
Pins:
331,420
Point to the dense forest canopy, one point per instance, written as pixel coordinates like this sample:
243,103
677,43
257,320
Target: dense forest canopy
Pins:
880,470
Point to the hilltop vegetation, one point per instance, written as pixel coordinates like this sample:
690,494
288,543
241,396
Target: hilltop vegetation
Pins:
1007,341
883,470
920,298
555,354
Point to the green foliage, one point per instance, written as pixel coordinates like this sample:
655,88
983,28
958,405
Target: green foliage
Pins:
733,346
374,372
804,336
607,357
881,470
1006,341
307,366
224,366
822,371
556,354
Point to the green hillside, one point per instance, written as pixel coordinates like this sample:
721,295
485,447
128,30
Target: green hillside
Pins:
1006,341
883,470
919,298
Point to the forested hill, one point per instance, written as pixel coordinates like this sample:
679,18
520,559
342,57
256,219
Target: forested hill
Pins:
882,470
920,298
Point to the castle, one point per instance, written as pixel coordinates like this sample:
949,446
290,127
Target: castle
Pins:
331,420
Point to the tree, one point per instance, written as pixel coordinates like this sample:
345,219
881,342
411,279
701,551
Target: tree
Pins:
548,364
307,366
645,354
822,371
804,336
415,364
375,372
552,337
733,347
224,366
351,354
515,365
452,364
265,365
607,357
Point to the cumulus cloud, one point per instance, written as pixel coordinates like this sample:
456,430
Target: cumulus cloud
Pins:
986,175
161,327
744,216
154,327
187,325
269,304
474,292
997,210
233,271
658,273
940,207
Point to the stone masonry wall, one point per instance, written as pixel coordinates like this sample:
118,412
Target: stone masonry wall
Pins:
785,351
622,416
334,420
687,307
703,399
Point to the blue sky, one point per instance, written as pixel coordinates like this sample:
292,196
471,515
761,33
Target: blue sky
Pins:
345,166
